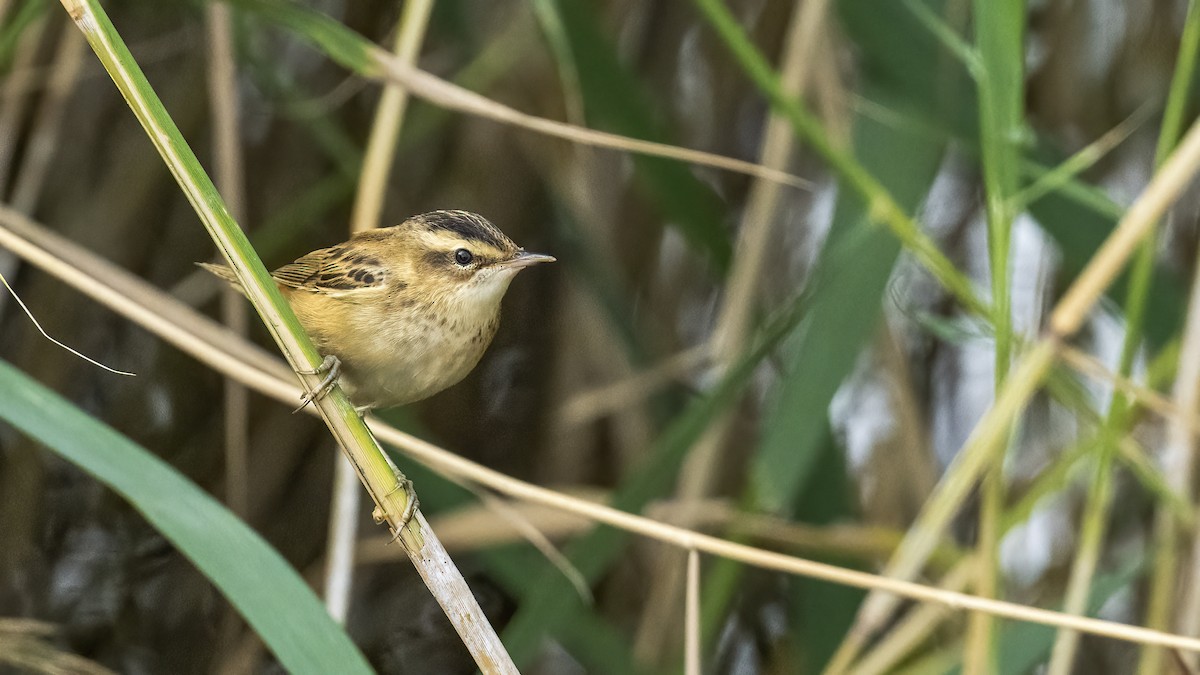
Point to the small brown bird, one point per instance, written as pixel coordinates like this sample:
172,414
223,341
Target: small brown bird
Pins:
403,311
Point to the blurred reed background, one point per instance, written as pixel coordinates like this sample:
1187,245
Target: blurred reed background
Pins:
635,369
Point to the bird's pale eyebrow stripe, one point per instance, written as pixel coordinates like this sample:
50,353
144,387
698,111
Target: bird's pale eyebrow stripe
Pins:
468,226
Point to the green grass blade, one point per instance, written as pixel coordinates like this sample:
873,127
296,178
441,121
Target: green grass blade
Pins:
822,612
254,577
853,271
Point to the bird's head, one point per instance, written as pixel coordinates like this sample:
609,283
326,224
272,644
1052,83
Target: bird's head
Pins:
462,257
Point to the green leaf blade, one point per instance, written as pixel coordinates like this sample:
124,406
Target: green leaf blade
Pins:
253,576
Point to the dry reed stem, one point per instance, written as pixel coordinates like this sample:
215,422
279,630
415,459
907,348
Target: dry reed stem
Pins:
756,236
914,628
479,527
224,107
1137,222
389,116
222,355
691,616
14,96
29,646
42,139
1150,399
444,94
341,542
593,404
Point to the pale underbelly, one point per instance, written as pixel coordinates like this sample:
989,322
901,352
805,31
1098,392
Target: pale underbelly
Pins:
409,371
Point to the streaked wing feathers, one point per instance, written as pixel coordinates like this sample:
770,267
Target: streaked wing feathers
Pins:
339,270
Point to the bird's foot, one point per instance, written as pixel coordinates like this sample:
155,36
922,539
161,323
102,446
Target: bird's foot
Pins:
410,509
331,367
413,503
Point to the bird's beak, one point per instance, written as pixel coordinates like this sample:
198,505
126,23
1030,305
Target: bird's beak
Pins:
525,259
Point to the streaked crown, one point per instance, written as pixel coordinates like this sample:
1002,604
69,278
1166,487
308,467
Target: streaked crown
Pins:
468,227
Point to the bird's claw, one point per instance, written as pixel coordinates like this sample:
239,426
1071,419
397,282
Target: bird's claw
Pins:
410,509
331,366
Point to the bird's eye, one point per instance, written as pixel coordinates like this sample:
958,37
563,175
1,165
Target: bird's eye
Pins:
463,257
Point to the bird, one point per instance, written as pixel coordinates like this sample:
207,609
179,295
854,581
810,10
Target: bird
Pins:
401,313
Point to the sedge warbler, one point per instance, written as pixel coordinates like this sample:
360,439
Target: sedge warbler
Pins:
402,312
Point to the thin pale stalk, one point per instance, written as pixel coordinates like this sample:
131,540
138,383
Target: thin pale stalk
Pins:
1139,394
915,627
1083,568
691,614
1069,169
607,399
42,141
550,21
342,540
355,52
387,486
1137,223
1099,501
197,335
15,97
486,526
389,117
756,235
224,108
15,94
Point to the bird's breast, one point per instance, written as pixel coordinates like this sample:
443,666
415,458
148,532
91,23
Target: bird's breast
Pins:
415,355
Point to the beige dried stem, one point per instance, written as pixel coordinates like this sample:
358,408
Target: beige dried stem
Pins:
453,97
232,356
224,107
15,96
41,140
389,116
756,235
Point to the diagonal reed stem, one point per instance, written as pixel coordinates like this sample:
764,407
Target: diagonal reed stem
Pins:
202,338
388,488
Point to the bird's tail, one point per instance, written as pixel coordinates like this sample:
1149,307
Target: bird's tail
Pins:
224,272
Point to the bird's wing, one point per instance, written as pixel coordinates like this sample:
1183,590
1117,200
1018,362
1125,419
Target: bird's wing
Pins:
338,271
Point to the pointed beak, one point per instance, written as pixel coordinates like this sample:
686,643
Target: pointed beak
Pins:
525,259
